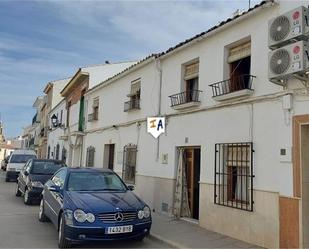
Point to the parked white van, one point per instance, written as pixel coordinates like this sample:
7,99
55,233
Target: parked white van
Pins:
16,162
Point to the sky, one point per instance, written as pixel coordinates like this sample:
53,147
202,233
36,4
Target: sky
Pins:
42,41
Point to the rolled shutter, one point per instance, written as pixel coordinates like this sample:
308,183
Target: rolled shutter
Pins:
135,88
96,102
239,52
191,71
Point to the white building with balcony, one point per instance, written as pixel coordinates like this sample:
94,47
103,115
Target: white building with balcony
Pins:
233,156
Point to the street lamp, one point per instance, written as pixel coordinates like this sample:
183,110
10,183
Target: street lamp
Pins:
54,120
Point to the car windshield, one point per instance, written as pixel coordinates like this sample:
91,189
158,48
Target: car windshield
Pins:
95,181
45,167
21,158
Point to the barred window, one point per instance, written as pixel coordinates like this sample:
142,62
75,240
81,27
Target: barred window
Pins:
234,175
48,152
90,156
129,163
57,151
64,155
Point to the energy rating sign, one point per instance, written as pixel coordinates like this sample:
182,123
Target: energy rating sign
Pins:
156,126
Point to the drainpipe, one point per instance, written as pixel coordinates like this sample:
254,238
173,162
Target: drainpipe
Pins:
159,69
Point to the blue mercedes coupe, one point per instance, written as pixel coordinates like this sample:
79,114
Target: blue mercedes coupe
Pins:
88,204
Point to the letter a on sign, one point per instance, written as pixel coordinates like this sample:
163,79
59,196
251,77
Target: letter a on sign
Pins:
156,126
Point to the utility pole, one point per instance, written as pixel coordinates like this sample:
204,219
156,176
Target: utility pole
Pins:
249,4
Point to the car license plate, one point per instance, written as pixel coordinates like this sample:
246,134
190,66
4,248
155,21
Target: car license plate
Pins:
119,229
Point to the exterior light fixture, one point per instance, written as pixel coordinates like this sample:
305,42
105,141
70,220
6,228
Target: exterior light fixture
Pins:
54,120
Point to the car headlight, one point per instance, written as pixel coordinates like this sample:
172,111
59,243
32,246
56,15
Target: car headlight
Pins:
90,217
140,214
81,216
146,212
37,184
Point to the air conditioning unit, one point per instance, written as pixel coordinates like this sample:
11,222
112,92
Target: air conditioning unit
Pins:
287,61
289,27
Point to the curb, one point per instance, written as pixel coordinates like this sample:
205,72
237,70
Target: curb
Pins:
159,238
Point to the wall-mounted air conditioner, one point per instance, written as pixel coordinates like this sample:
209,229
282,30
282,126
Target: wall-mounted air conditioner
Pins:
289,27
287,61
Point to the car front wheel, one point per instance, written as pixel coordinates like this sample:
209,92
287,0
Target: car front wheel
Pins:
42,216
17,191
27,199
62,241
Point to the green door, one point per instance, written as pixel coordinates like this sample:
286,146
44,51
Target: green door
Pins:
81,115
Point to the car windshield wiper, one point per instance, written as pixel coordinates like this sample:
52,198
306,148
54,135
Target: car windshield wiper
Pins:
108,189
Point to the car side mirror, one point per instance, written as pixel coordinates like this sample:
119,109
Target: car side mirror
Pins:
54,188
131,187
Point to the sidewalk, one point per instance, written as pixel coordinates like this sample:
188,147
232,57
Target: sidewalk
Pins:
183,234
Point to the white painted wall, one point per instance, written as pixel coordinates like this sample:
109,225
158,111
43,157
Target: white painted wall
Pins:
58,85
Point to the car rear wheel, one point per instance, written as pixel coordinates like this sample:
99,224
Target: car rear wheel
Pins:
27,199
17,191
62,241
42,216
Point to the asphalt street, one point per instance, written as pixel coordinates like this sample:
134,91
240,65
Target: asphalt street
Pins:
20,227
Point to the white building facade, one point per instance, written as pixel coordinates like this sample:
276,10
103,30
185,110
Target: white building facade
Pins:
73,92
233,152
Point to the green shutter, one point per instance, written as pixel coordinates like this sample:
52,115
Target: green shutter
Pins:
81,115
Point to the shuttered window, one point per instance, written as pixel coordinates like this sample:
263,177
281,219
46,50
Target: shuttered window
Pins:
239,52
95,102
90,156
95,107
191,71
135,88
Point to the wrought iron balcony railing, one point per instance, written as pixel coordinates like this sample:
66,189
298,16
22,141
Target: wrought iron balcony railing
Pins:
185,97
132,105
232,85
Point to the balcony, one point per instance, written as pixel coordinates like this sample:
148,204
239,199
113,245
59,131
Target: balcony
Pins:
236,87
185,99
132,105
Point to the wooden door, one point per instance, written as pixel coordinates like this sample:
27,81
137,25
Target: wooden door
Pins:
189,157
111,156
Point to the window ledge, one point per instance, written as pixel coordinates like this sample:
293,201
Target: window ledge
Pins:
186,105
238,94
132,109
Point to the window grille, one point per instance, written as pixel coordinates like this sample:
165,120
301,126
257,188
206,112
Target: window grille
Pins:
48,152
129,163
64,155
90,156
57,151
234,175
